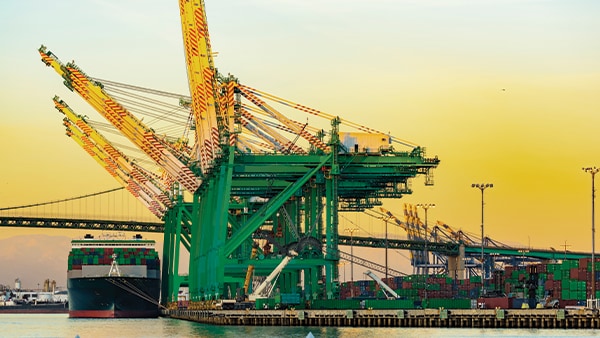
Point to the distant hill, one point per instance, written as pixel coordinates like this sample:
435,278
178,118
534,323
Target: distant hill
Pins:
33,259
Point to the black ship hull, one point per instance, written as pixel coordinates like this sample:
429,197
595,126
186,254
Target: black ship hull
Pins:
113,297
35,308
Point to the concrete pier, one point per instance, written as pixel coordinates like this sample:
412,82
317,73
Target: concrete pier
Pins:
459,318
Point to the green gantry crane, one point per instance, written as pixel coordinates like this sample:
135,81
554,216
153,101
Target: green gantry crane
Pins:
254,177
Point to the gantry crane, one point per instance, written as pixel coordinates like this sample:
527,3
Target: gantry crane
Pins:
252,169
460,264
415,231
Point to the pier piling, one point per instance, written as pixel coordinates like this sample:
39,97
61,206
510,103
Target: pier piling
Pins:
450,318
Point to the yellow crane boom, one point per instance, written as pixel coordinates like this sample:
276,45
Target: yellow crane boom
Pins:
248,94
202,80
267,133
131,127
137,182
322,114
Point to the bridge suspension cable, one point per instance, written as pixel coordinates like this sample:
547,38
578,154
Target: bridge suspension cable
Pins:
63,200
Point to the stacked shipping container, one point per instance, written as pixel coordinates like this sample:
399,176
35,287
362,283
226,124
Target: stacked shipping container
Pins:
569,281
103,256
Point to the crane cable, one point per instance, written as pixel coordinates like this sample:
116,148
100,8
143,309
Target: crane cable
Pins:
125,285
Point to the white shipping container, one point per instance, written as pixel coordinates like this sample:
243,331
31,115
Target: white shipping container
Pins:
365,142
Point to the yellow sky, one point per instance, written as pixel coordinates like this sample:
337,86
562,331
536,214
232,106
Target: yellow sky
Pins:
502,91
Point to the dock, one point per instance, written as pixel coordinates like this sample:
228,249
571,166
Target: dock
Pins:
449,318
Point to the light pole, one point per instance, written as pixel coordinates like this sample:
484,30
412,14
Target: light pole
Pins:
426,206
343,264
351,231
386,219
593,171
482,187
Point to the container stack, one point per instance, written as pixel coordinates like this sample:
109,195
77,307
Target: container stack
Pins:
568,281
103,256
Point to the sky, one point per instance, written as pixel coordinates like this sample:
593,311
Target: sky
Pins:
502,91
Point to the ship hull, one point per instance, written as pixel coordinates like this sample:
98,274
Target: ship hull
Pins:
113,297
35,308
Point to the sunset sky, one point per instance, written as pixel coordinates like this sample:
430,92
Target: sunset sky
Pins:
502,91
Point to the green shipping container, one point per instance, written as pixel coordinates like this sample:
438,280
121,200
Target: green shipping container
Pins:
475,279
290,298
434,287
389,304
341,304
448,303
261,302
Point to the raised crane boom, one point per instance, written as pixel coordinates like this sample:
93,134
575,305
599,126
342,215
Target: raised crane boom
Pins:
270,135
142,136
114,170
116,163
322,114
252,97
408,225
413,229
202,80
147,179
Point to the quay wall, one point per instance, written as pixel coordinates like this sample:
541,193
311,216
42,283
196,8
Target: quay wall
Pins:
450,318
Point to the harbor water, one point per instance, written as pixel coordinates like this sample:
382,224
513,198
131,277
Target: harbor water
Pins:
60,325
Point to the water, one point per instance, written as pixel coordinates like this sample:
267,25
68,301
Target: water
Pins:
60,325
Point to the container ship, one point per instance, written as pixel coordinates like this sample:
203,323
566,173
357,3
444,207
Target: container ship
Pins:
113,278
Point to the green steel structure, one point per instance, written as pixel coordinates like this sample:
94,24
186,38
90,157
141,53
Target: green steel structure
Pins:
253,178
285,202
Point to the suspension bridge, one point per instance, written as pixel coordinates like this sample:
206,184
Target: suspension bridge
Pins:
130,216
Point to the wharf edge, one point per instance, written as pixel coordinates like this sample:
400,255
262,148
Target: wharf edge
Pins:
450,318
